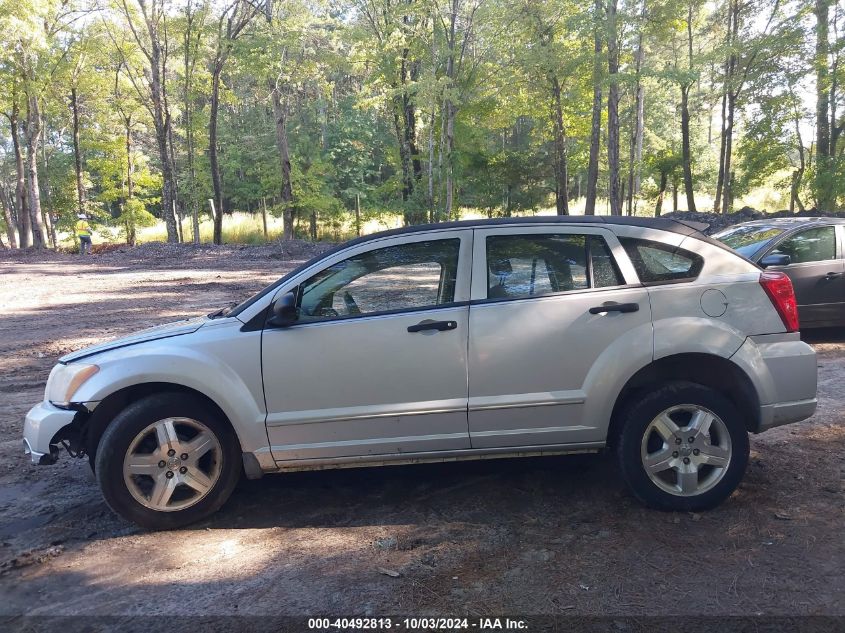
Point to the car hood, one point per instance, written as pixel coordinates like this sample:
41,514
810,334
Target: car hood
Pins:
177,328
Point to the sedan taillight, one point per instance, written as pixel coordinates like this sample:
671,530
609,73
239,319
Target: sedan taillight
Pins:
779,288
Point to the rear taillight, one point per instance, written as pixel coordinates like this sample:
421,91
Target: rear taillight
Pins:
779,288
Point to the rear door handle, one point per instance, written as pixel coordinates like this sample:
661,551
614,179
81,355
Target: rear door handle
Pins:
440,326
832,275
615,307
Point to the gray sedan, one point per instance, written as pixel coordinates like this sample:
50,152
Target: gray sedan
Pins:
810,250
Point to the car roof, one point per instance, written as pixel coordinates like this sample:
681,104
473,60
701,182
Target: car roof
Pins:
791,222
682,227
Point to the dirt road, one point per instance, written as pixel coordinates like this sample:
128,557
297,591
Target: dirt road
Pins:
541,536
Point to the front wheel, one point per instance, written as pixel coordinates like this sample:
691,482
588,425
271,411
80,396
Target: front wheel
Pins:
683,447
167,460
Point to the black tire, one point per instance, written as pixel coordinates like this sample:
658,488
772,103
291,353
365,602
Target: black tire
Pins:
636,421
118,438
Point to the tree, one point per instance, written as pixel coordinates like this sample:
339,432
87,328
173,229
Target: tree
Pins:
233,19
595,128
614,192
147,21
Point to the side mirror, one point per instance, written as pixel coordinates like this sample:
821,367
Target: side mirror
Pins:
775,259
284,311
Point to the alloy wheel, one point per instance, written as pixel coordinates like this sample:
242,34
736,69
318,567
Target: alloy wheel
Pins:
172,464
686,450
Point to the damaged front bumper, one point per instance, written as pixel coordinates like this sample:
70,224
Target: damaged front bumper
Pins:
41,428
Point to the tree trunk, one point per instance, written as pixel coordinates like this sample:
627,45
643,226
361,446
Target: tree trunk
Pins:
660,193
47,209
77,157
280,116
21,201
674,194
717,202
728,108
727,88
685,118
727,192
216,180
432,217
162,124
33,137
595,128
450,141
358,214
635,155
131,236
6,203
798,174
264,217
561,167
613,111
685,148
825,191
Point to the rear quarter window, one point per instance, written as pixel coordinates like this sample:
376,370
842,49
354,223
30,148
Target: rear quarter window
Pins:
658,263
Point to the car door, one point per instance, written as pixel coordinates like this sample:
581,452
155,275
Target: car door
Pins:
551,309
816,270
376,362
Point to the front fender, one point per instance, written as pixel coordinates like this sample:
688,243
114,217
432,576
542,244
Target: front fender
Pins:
221,363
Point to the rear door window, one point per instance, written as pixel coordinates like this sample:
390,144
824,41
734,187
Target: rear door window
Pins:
532,265
660,263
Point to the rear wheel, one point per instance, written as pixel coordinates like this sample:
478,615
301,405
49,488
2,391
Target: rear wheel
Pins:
166,461
683,447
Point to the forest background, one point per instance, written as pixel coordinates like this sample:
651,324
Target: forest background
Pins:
243,121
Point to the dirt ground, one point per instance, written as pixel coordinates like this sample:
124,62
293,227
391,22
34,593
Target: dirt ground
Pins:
531,536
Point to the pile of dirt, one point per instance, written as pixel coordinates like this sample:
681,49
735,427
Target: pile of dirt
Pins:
718,221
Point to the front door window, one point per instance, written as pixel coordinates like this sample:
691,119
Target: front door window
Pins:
393,279
813,245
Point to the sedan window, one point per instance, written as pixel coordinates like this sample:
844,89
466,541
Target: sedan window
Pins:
404,277
813,245
533,265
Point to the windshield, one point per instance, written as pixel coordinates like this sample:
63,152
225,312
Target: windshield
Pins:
748,239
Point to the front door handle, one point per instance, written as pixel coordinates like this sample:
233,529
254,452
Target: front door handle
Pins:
440,326
615,307
832,275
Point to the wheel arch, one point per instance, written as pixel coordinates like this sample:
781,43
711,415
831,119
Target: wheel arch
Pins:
710,370
92,427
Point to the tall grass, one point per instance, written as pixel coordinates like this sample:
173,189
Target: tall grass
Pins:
247,228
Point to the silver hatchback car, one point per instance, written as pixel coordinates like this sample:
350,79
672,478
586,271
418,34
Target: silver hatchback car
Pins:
495,338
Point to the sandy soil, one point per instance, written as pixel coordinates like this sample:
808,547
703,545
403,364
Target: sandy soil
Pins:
532,536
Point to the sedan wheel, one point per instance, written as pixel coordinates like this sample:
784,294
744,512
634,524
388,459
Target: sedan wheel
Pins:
682,446
172,464
686,450
168,460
